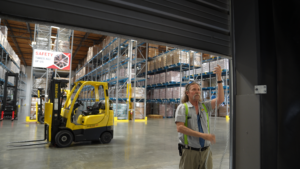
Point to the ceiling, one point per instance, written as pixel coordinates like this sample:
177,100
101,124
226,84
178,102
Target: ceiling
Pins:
20,35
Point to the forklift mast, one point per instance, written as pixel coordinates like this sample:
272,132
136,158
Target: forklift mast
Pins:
55,96
11,107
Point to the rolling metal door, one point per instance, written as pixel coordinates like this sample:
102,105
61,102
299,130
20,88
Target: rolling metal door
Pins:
198,24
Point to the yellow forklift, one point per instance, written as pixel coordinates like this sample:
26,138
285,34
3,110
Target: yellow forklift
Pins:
74,122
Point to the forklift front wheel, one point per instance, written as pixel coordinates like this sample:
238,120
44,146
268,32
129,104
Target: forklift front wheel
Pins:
106,137
64,138
41,119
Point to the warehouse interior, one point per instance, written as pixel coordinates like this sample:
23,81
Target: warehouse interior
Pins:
133,60
106,58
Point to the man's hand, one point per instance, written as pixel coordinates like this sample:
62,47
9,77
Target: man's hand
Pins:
218,71
211,138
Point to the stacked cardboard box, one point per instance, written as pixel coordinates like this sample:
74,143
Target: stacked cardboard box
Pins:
139,110
33,107
156,78
162,93
163,61
156,94
162,78
149,108
223,110
176,92
180,56
40,83
155,108
172,76
169,110
149,77
162,110
139,92
195,59
149,94
205,83
152,52
169,59
169,93
205,56
162,49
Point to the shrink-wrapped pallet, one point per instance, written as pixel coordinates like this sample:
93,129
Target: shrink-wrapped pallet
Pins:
212,66
205,67
223,63
120,111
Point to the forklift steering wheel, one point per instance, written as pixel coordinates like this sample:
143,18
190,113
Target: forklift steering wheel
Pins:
80,102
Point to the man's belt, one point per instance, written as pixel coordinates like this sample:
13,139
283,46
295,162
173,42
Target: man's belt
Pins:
192,148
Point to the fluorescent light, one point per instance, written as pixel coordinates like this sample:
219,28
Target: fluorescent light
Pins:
55,27
53,37
33,43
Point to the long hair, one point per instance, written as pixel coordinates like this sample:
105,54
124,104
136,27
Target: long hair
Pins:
185,97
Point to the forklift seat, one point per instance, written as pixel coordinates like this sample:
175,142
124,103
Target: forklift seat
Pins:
91,110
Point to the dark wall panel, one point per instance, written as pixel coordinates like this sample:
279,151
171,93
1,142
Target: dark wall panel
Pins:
200,25
287,38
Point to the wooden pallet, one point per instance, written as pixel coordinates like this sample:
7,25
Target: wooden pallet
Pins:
155,116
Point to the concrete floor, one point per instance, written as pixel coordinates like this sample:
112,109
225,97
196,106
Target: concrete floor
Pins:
135,146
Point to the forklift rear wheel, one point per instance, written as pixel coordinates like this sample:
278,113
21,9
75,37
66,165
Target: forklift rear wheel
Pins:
64,138
106,137
41,119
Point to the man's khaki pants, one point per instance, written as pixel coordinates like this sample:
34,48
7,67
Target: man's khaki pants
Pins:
192,159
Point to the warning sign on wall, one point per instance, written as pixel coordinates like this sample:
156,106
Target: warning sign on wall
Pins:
53,60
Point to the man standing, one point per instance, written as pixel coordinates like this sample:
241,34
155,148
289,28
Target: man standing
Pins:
192,123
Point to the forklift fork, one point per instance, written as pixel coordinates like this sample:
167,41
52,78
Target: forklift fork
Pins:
20,145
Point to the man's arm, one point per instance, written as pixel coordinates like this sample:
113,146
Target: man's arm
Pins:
220,96
181,128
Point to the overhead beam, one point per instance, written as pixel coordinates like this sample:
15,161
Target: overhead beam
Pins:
15,42
77,37
79,46
29,31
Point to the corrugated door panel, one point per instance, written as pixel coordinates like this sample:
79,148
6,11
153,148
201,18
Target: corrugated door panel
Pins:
197,24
